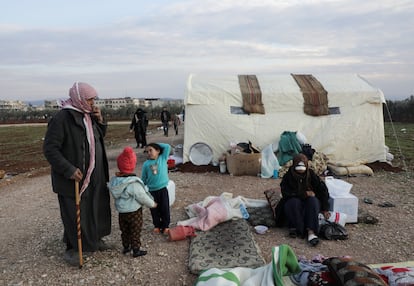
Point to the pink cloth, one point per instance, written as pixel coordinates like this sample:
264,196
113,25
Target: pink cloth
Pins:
209,216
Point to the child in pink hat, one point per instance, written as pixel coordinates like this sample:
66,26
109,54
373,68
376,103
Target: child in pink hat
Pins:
130,195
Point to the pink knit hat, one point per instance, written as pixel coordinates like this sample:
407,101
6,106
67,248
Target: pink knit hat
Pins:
127,161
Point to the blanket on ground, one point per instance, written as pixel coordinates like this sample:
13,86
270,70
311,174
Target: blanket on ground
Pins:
213,210
229,244
284,262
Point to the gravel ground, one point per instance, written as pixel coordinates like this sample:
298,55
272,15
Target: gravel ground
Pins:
31,246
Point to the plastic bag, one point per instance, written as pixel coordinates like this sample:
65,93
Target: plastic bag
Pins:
336,217
337,187
269,162
333,231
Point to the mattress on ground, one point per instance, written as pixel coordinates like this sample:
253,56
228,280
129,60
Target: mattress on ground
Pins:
227,245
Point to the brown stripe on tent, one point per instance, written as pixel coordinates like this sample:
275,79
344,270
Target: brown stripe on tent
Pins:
314,94
251,94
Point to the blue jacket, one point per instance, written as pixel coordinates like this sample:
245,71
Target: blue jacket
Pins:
130,194
159,180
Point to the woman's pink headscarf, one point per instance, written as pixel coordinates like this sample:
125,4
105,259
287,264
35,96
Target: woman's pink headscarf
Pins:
79,93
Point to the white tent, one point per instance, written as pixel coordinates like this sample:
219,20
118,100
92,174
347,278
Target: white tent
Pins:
352,137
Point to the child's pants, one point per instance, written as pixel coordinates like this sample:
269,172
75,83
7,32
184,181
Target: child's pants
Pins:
131,226
161,214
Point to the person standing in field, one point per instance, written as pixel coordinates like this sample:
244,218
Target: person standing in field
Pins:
165,119
74,147
139,125
177,122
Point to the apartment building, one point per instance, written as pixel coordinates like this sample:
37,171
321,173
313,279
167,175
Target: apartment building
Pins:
108,103
13,105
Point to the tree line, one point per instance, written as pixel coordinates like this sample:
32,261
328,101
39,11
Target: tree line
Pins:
400,111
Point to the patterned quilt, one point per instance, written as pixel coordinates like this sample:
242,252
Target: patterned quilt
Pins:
227,245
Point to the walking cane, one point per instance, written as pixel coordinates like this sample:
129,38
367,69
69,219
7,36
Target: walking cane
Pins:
78,225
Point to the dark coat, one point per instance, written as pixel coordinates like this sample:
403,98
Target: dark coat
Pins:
66,148
292,186
139,122
165,116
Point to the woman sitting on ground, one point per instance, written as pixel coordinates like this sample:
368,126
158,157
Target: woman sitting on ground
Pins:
304,196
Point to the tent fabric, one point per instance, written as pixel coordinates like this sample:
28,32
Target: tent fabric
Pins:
314,95
251,94
352,137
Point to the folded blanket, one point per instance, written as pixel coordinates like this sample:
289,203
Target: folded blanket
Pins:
284,263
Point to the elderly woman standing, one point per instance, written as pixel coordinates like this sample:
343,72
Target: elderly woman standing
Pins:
304,196
74,147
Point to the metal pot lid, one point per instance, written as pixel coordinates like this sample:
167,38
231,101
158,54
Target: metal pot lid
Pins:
200,154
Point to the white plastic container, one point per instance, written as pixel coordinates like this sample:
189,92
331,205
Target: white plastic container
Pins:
223,167
261,229
344,203
171,192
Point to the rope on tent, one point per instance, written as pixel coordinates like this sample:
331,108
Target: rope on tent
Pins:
396,138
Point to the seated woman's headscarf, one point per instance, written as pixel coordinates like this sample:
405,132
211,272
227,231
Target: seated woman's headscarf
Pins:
79,93
300,172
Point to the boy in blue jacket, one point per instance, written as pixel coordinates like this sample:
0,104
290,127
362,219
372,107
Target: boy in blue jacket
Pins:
130,195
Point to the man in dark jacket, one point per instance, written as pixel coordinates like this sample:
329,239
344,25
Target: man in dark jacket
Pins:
74,147
139,125
165,119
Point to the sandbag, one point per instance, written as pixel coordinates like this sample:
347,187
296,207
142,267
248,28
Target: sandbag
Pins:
351,170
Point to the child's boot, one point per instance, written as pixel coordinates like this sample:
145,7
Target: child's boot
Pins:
138,252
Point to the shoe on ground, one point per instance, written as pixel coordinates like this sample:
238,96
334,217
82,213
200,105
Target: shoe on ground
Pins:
313,239
71,257
126,250
138,252
166,231
156,230
102,245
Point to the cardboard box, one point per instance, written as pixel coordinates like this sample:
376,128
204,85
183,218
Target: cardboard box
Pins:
244,164
345,203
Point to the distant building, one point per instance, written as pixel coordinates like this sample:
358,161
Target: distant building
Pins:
51,104
108,103
167,102
13,105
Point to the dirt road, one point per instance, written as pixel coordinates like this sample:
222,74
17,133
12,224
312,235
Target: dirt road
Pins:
31,249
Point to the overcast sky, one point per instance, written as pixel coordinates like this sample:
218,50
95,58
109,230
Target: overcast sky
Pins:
148,48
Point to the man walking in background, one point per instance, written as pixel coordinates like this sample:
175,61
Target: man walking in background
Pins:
165,119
